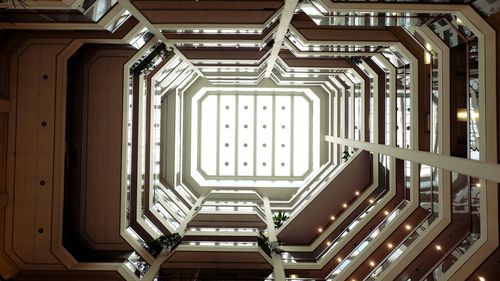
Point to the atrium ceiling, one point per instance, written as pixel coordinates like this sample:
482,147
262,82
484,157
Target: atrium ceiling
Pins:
357,137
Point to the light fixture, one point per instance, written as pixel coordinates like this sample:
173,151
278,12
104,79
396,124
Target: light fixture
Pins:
332,218
320,229
328,243
294,276
371,201
438,247
386,212
372,264
478,185
408,227
481,278
339,259
462,114
356,193
427,57
344,205
389,245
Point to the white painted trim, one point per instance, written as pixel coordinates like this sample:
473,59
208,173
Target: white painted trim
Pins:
279,36
143,20
474,168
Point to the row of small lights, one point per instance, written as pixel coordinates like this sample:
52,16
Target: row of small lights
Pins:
344,205
389,244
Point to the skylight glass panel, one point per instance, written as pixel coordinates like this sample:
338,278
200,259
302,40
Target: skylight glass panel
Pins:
301,145
264,127
254,136
246,134
209,135
282,151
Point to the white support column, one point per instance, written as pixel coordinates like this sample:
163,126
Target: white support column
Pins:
278,269
162,257
285,19
414,128
341,113
350,104
373,76
392,98
336,119
362,114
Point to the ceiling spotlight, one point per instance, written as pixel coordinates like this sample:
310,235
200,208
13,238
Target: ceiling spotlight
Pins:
438,247
294,276
371,201
320,229
356,193
328,243
389,245
332,217
339,259
344,205
386,212
481,278
408,227
372,264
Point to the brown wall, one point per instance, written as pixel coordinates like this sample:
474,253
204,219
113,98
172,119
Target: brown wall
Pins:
32,88
94,143
304,227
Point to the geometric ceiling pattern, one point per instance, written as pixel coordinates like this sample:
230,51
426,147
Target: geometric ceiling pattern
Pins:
280,140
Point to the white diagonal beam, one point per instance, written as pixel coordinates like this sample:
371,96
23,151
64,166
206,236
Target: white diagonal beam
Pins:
480,169
144,21
285,19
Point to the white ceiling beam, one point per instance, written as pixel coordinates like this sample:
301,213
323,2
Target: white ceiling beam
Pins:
144,21
258,28
285,19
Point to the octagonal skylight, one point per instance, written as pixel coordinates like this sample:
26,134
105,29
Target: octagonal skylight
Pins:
254,135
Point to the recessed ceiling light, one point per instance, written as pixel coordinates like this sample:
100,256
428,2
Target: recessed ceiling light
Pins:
408,227
332,218
438,247
372,264
389,245
320,229
344,205
339,259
